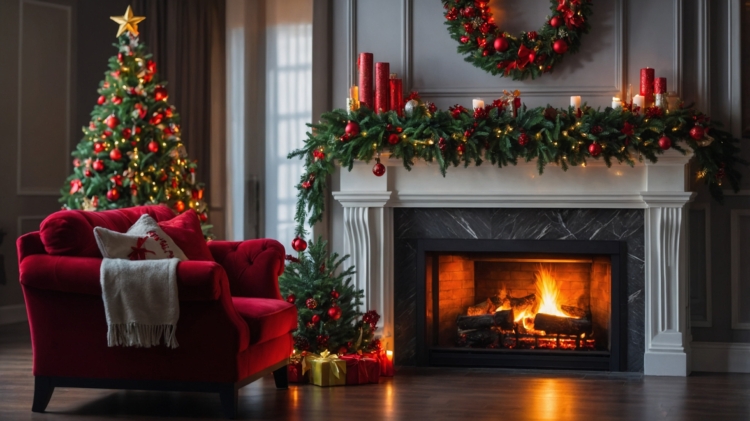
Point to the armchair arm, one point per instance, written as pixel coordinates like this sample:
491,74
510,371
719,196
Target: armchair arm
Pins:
253,266
196,280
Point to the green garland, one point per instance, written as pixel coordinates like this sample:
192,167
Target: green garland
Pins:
531,54
547,135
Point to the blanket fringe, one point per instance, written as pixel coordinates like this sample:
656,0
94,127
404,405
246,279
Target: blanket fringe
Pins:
140,335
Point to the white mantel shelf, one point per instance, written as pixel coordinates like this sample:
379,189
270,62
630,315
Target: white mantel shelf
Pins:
658,188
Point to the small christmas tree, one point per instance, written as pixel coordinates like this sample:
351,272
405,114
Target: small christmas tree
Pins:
327,303
131,153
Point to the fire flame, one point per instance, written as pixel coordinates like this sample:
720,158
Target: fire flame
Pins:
548,293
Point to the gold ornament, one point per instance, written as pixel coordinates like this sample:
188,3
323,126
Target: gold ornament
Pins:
128,22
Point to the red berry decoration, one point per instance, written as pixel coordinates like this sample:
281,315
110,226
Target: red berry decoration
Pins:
352,128
560,46
501,44
153,146
335,294
393,139
117,100
461,148
555,22
126,133
334,312
697,132
311,303
290,298
98,165
345,137
113,195
112,121
160,93
523,139
378,169
98,147
665,143
115,154
595,149
102,99
299,244
465,39
442,144
315,319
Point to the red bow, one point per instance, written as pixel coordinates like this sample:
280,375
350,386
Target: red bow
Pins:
139,253
524,56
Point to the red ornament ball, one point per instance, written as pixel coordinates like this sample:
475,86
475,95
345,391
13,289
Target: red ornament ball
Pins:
126,133
153,146
461,148
299,244
465,39
523,139
665,143
102,99
560,46
335,294
334,312
117,100
112,121
306,185
88,173
352,128
98,147
113,195
115,154
315,319
98,165
697,132
595,149
203,217
378,169
393,139
501,44
290,298
160,93
555,22
345,137
311,303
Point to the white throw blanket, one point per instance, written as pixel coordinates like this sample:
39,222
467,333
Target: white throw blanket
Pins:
140,301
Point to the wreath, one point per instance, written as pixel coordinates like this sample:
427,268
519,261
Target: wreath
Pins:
531,54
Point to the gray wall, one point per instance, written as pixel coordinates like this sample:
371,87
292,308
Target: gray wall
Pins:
687,41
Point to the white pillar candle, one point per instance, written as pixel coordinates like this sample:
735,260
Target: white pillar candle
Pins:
638,101
616,103
575,102
477,103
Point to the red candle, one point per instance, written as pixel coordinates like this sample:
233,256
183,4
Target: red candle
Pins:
396,94
516,105
660,85
647,85
382,74
365,79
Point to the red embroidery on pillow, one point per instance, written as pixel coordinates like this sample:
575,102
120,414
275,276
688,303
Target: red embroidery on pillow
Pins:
139,252
162,242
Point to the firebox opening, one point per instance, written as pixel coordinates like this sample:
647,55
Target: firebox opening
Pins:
519,301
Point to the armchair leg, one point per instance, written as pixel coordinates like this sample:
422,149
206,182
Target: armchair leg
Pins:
280,376
43,389
229,399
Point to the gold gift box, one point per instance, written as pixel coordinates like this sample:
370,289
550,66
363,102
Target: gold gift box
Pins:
327,370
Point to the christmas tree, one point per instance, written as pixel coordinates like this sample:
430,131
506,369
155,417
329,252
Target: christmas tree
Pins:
131,153
327,303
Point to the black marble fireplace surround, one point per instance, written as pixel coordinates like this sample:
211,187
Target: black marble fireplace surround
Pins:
412,224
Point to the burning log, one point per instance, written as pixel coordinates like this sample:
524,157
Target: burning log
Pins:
576,312
502,319
561,325
523,302
479,338
485,307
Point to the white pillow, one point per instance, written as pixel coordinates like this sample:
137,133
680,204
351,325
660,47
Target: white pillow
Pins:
143,241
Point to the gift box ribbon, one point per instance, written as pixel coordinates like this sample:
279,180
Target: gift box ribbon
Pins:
361,367
322,357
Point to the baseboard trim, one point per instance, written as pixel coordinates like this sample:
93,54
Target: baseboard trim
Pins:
721,357
12,314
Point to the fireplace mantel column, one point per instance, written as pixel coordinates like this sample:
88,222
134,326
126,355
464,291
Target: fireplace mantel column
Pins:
667,335
368,238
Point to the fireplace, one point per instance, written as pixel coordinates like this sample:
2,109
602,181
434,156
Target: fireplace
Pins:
520,303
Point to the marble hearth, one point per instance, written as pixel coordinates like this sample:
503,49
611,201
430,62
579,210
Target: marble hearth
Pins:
644,206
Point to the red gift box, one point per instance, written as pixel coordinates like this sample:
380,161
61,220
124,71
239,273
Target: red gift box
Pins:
362,369
294,372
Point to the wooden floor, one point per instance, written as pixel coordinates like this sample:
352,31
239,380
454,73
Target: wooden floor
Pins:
414,394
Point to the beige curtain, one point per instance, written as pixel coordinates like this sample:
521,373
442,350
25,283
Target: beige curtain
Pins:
186,38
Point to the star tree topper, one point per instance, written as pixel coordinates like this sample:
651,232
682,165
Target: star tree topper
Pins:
128,22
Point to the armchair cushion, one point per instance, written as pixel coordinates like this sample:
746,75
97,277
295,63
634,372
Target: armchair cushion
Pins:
145,240
266,318
71,232
185,230
249,265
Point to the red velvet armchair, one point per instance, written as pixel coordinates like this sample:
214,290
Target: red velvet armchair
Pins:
234,327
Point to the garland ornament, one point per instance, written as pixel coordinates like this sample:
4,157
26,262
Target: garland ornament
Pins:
503,136
530,54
